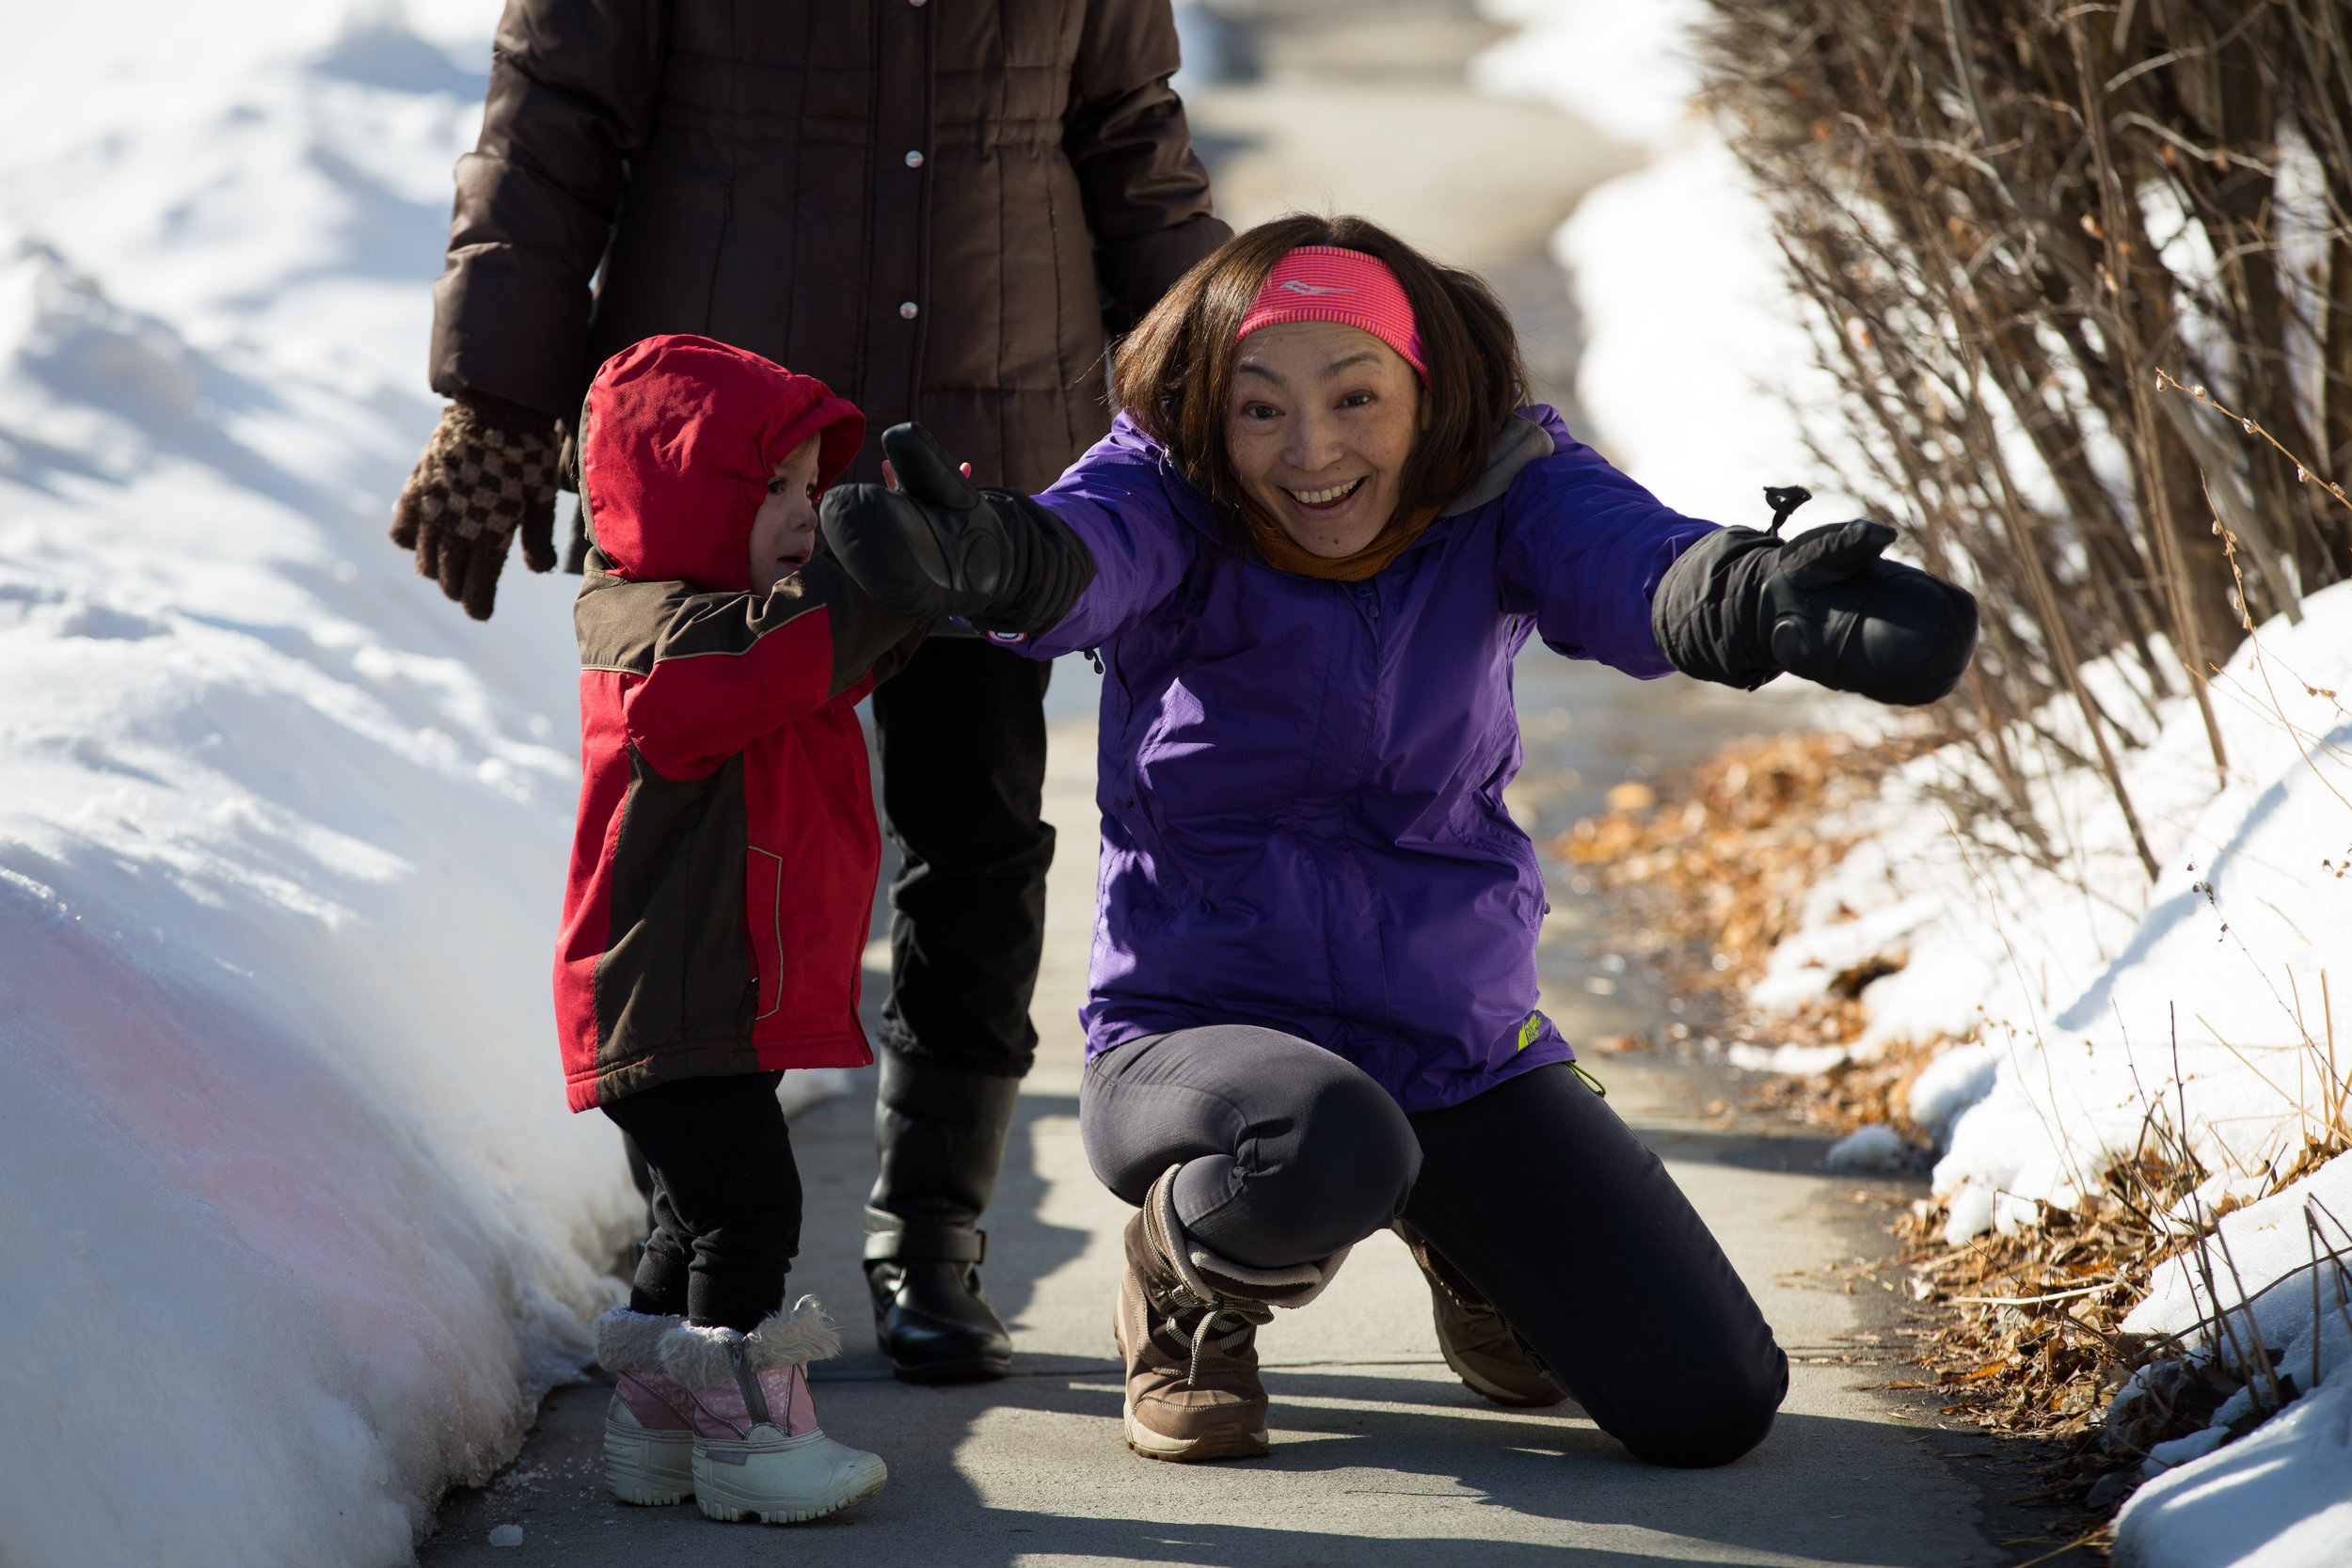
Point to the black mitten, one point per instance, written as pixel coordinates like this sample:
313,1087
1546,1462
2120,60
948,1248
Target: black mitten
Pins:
1740,606
943,547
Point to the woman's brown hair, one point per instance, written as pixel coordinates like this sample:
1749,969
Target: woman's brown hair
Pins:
1174,374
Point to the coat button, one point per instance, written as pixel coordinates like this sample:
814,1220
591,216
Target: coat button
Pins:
906,311
914,160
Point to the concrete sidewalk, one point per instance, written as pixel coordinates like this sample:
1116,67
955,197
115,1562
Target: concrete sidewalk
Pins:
1380,1457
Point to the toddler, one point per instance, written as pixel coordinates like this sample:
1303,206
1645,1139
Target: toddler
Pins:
722,874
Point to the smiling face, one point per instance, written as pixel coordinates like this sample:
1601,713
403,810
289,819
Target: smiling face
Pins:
1321,420
784,531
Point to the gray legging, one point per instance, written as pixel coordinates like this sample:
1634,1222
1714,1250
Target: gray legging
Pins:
1535,1190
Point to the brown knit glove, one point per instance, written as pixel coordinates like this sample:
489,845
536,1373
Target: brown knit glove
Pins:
487,473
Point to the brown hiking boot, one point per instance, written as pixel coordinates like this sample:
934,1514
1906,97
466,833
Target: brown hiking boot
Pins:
1187,1324
1479,1346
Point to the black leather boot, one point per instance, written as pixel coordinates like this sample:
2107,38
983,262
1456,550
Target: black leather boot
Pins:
941,1133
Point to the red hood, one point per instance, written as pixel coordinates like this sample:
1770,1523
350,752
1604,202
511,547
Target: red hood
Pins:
683,436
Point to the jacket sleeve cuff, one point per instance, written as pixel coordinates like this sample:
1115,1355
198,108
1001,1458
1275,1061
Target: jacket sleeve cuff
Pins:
505,414
1708,606
867,639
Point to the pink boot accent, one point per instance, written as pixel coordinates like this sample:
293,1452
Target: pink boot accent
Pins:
659,1401
721,1411
758,1451
648,1425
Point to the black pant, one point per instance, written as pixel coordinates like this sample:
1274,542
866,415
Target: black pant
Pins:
727,1198
1535,1190
963,733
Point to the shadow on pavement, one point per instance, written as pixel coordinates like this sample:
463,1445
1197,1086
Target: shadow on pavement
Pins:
1352,1480
835,1145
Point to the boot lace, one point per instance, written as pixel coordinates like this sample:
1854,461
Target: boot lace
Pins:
1242,1317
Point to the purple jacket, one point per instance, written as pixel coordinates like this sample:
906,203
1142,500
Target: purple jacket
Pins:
1301,781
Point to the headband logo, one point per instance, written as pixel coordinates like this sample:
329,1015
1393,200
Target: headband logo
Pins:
1298,287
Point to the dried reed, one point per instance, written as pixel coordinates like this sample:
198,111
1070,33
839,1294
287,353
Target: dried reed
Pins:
2003,218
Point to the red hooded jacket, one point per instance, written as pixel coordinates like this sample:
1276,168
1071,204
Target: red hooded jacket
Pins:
722,869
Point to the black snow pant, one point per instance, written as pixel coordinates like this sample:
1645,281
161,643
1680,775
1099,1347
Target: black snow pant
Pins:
962,738
1535,1190
727,1198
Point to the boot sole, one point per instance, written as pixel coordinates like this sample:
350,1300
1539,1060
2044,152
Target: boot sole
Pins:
728,1513
1495,1393
633,1474
1485,1387
1225,1443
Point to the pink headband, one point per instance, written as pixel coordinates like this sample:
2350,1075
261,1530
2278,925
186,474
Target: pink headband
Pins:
1324,283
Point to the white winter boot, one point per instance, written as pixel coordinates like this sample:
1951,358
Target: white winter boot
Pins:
759,1450
649,1427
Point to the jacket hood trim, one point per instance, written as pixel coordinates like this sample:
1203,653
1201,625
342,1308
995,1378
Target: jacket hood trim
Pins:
682,436
1522,442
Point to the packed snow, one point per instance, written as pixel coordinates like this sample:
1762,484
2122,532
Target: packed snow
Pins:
2088,1005
284,835
1866,1149
2281,1495
2099,1005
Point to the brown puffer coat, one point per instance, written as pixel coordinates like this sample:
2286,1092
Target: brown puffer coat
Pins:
930,204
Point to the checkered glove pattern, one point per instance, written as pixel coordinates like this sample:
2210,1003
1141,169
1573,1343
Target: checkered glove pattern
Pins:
487,473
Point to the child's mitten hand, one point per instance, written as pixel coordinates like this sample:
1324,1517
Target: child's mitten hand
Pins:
487,473
1740,606
941,547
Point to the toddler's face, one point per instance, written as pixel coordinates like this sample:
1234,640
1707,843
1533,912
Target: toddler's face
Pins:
784,533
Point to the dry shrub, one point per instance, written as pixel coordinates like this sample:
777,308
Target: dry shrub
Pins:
2033,1343
2033,1346
2005,218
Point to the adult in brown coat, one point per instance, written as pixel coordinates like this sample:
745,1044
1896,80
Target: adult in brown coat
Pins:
937,207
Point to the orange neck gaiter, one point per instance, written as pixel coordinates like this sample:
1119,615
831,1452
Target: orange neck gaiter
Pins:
1279,551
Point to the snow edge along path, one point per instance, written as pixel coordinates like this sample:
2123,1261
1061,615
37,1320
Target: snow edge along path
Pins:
302,1226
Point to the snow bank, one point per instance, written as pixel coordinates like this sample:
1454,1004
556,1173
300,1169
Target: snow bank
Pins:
2280,1496
299,1220
2098,1005
2099,1002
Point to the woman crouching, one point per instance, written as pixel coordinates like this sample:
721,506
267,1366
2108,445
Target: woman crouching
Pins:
1323,525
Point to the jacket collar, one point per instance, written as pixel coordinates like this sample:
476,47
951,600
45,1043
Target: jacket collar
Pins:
1524,438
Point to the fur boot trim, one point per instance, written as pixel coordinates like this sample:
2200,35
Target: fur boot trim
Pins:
630,1341
701,1358
1294,1285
